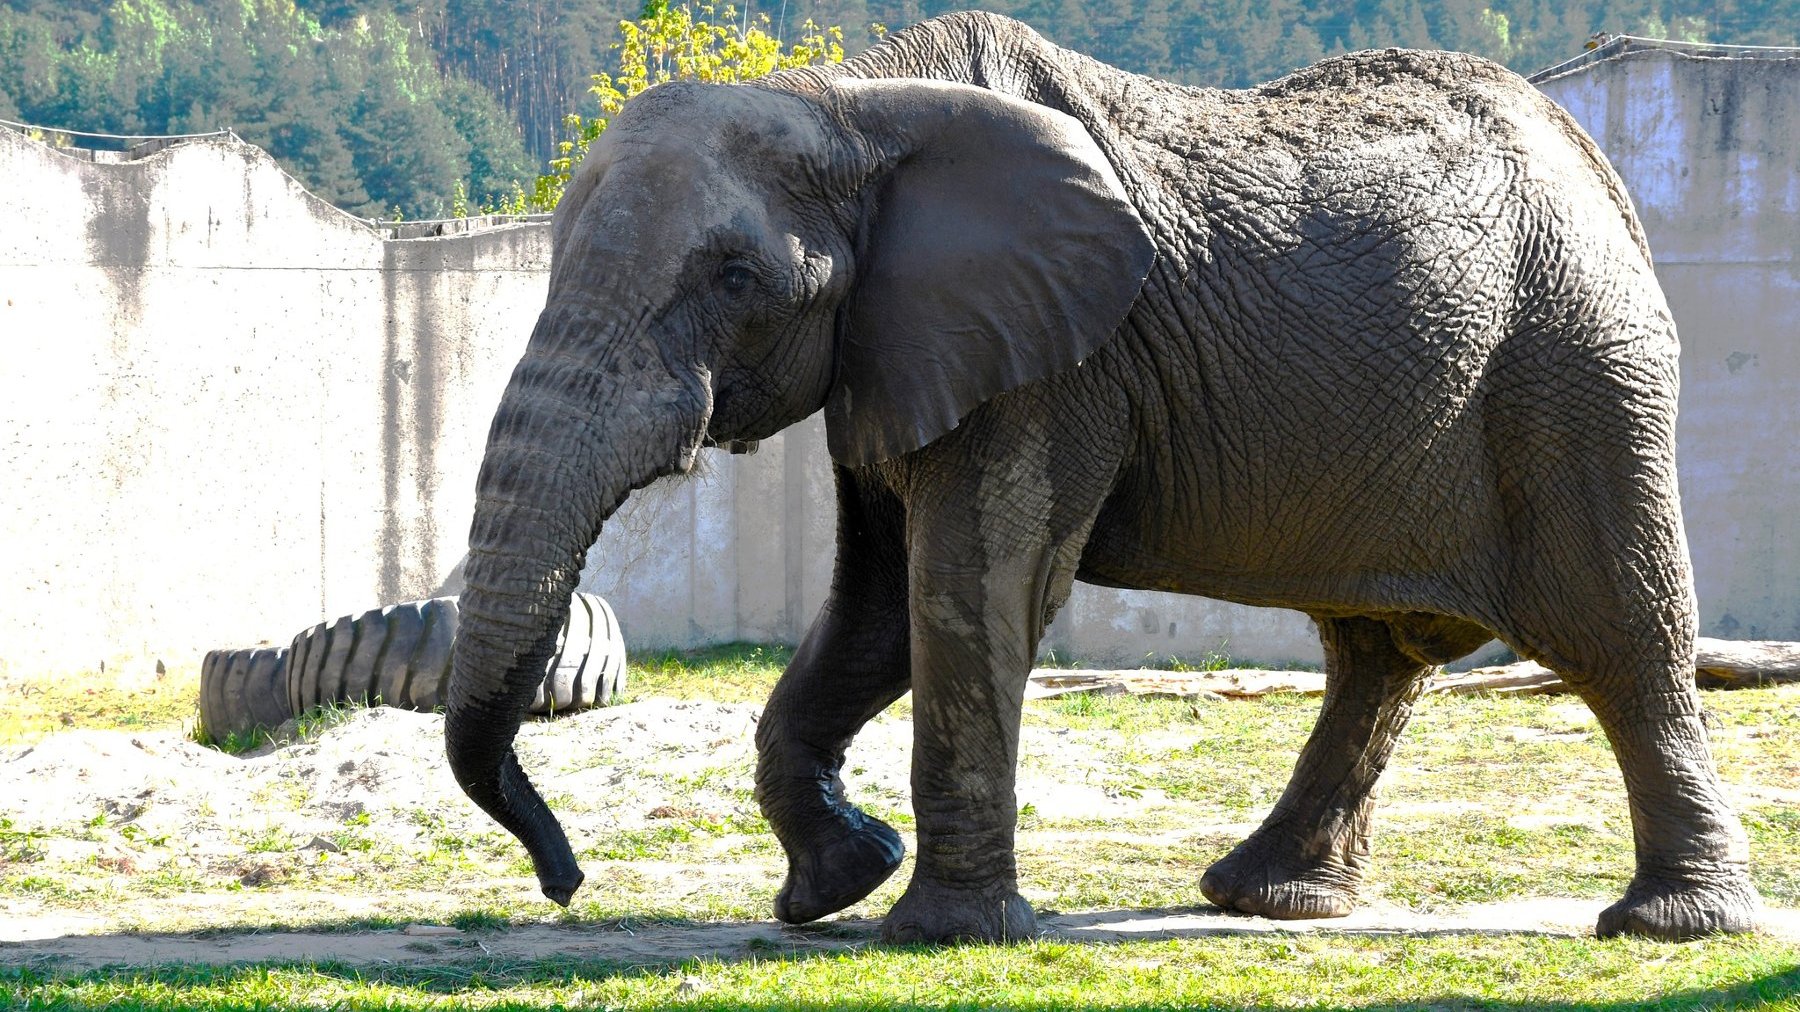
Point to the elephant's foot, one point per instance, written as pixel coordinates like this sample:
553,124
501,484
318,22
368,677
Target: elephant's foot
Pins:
826,879
1256,878
1683,909
932,913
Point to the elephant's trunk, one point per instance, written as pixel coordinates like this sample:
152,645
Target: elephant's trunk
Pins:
563,452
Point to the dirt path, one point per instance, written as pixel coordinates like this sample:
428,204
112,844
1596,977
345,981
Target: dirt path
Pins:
44,942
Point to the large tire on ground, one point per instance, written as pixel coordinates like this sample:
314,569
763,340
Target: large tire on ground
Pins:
242,690
588,668
400,656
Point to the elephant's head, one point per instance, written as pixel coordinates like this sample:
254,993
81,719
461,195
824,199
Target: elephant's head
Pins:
729,260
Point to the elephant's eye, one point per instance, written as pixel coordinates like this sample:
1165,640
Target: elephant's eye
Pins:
736,278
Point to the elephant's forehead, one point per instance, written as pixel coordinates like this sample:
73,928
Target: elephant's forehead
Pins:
724,128
656,191
687,166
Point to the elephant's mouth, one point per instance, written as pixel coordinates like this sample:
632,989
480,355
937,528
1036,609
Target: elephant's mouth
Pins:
739,446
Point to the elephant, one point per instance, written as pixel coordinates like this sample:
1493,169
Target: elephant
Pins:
1379,341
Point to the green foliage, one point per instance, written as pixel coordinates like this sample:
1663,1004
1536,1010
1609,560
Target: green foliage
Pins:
1238,43
680,44
20,846
360,112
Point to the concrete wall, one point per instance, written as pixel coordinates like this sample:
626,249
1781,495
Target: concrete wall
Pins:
1708,142
232,411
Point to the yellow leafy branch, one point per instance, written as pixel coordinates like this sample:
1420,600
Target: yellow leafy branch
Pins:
676,43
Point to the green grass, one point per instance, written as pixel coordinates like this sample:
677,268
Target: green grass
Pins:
731,673
745,672
1487,798
20,846
1281,972
30,709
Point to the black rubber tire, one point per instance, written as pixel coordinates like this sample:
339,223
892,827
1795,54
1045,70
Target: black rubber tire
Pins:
243,690
400,656
588,668
375,657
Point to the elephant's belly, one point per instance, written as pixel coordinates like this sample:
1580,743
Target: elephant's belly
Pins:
1127,569
1314,592
1421,556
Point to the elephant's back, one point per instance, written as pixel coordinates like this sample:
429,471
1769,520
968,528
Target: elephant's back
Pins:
1440,132
1343,191
1397,114
1382,92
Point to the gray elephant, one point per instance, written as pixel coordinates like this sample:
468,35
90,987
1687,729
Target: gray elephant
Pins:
1379,341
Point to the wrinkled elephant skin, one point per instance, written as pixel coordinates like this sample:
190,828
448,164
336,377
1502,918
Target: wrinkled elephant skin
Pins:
1379,341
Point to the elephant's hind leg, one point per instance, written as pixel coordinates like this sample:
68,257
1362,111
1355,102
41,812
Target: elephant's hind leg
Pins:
1692,876
852,664
1634,668
1307,857
1630,656
1599,588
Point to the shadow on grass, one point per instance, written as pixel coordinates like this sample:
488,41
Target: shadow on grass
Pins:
606,935
664,955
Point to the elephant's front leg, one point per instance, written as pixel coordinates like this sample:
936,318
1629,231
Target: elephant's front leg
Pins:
972,649
1308,856
987,571
852,664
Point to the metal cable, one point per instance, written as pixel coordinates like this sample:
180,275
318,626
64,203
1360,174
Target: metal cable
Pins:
1620,43
116,137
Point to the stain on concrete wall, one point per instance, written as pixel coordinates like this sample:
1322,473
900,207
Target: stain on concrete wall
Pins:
232,410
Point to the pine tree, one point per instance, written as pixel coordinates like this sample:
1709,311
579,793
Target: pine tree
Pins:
498,163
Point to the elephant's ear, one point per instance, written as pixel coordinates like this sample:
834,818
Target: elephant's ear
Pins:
999,248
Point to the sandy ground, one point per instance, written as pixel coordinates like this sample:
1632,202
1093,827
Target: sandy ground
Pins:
202,813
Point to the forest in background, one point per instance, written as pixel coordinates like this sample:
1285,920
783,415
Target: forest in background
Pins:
420,108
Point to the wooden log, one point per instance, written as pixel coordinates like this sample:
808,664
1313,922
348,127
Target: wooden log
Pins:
1737,664
1526,678
1719,664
